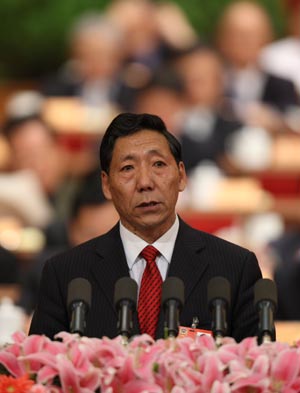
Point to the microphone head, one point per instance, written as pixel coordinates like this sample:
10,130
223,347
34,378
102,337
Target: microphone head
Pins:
265,289
79,289
125,289
173,289
218,288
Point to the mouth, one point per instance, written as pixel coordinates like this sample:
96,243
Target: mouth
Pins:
148,204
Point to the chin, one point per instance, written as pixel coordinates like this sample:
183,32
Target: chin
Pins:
155,222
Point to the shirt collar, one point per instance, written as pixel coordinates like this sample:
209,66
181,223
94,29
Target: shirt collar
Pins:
133,245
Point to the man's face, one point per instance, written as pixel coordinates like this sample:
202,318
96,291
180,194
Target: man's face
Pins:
202,74
143,183
97,56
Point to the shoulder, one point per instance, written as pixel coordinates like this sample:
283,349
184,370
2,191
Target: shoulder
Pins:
212,243
87,251
220,257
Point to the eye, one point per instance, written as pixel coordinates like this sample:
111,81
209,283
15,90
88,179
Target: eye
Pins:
126,168
159,164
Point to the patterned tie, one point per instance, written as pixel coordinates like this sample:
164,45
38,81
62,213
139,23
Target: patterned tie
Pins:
150,293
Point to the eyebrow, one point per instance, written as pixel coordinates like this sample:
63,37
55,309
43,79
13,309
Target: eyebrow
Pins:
127,157
149,152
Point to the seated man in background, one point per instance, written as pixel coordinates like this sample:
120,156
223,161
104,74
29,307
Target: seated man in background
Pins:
163,95
142,173
34,147
95,59
91,215
258,97
282,57
205,125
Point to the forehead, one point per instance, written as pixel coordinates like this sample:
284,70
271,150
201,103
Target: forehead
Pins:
141,142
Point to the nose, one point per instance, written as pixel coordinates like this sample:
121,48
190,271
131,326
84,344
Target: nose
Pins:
144,179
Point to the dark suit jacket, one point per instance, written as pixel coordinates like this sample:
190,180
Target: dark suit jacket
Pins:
197,257
287,274
211,148
279,93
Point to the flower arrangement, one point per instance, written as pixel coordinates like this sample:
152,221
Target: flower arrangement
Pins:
36,364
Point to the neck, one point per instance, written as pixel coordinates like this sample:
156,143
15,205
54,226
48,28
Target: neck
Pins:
150,234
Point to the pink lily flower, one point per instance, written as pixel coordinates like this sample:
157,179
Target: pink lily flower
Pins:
139,386
10,362
285,368
220,387
46,375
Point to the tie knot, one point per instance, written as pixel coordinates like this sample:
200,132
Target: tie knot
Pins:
149,253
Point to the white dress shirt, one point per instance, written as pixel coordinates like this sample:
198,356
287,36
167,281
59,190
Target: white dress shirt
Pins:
282,58
133,245
246,89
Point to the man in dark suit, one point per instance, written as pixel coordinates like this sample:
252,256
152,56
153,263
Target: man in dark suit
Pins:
256,97
142,173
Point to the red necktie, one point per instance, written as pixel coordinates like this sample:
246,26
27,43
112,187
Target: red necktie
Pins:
150,293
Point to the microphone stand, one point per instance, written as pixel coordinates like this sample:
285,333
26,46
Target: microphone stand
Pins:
125,302
219,324
266,324
125,321
172,318
77,324
172,301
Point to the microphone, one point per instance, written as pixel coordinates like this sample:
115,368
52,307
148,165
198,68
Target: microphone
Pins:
125,300
218,294
172,302
265,301
79,303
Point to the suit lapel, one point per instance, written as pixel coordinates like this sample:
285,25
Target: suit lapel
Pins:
186,262
110,266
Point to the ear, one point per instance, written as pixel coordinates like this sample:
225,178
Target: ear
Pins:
105,185
182,176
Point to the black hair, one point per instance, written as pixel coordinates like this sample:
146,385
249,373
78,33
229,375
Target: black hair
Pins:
89,193
126,124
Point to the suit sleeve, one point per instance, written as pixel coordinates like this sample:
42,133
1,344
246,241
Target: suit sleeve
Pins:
244,316
50,315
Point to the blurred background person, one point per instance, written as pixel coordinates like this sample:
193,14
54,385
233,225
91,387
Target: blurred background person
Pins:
257,97
137,21
95,58
91,215
205,126
175,27
282,56
163,96
150,39
33,145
